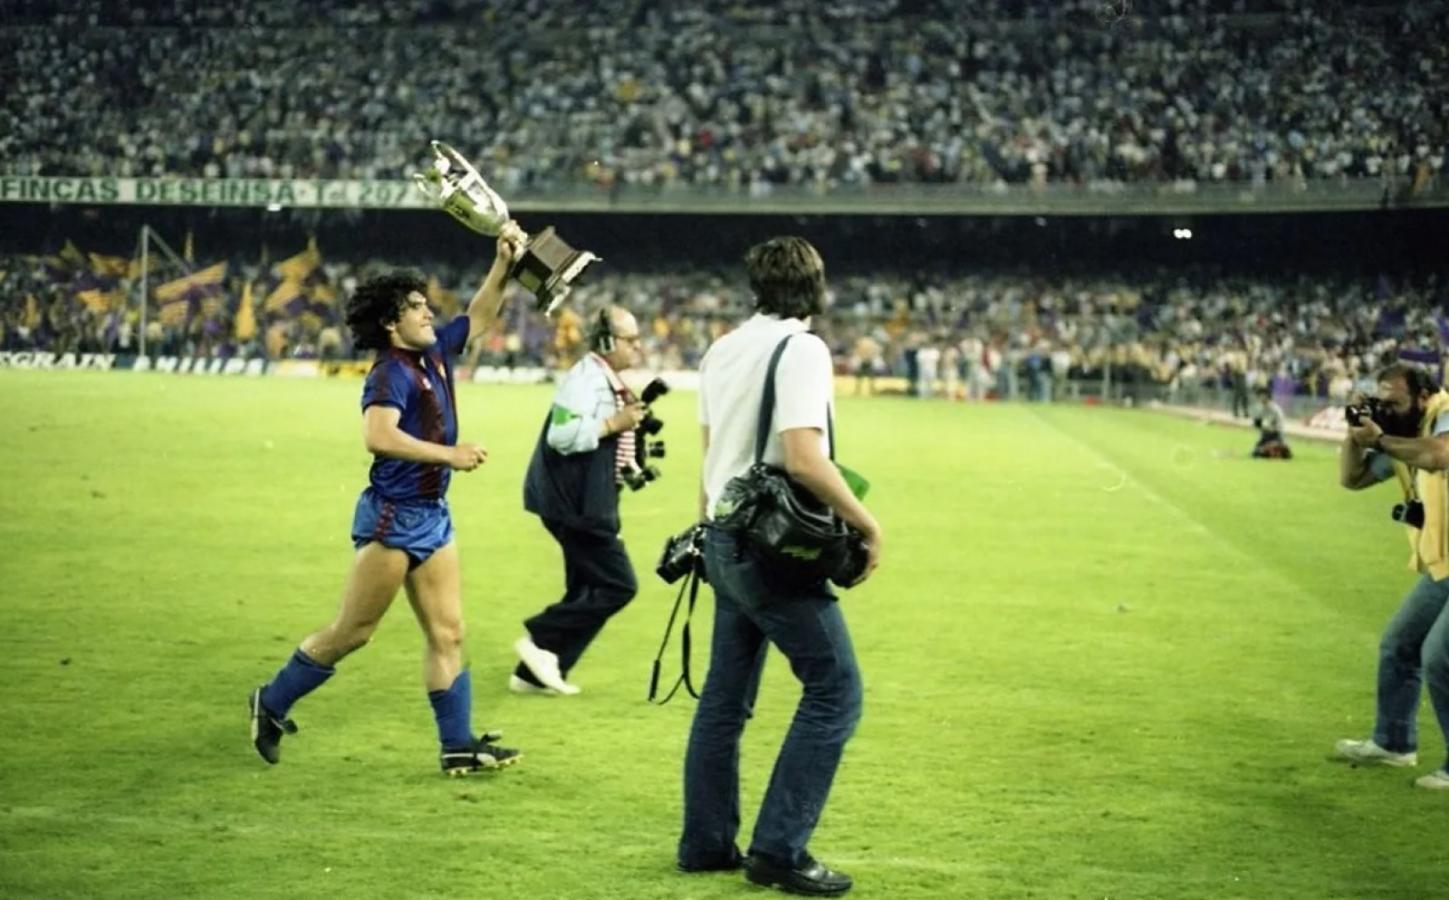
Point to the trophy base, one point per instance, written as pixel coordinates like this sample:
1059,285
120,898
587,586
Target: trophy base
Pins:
548,268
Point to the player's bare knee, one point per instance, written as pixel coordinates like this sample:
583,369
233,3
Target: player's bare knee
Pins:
446,635
354,636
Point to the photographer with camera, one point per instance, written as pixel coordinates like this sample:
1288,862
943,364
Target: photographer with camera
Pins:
1403,433
756,603
586,451
1269,421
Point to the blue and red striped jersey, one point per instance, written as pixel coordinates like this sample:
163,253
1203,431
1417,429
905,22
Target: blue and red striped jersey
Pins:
420,385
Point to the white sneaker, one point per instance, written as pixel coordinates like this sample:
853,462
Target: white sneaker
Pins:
1434,781
543,664
517,685
1369,753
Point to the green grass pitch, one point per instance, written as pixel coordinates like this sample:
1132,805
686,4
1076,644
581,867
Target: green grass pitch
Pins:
1106,657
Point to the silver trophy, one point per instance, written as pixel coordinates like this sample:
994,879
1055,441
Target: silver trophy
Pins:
547,265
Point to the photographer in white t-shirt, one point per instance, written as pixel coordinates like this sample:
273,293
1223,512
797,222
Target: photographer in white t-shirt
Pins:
754,606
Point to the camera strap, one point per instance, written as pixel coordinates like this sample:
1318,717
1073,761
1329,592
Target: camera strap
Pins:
1407,480
767,406
690,586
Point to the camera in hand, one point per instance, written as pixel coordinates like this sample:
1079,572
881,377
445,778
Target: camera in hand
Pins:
1410,513
852,566
641,473
1370,409
655,389
637,477
1382,414
683,553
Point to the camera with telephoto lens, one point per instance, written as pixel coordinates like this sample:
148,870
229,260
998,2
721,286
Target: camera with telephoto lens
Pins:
641,473
655,389
683,554
1410,513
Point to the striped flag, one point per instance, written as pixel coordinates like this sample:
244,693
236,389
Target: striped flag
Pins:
200,281
99,301
302,286
177,299
300,266
288,298
111,266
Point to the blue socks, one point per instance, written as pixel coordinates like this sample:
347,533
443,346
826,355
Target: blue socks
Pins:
299,677
302,675
453,710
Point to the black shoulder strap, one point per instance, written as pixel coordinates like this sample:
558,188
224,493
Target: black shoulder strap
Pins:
767,400
767,406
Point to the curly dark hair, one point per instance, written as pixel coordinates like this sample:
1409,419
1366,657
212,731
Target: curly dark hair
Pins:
378,303
787,276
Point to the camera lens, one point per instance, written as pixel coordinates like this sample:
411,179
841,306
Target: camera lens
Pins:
653,391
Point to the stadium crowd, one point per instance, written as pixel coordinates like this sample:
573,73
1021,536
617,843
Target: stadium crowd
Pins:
1006,334
732,94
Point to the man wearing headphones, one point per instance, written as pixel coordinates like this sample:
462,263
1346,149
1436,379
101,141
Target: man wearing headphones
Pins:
573,480
1406,437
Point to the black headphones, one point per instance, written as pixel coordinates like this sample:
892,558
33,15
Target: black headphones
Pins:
602,338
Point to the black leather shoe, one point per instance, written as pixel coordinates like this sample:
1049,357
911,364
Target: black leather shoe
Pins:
810,877
731,863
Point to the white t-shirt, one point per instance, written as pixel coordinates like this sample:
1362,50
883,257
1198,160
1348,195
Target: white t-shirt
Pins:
732,384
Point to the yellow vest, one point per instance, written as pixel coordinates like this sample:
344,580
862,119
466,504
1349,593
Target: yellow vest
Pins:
1431,543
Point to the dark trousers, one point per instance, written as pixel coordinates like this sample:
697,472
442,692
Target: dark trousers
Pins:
598,582
807,626
1271,446
1240,396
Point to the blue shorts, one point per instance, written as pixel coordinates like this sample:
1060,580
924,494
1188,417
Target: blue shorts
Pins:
416,527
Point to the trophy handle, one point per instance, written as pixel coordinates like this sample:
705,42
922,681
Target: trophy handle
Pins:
453,184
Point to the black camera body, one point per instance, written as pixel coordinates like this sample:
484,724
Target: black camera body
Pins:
683,554
644,448
638,477
1372,409
856,557
1410,513
655,389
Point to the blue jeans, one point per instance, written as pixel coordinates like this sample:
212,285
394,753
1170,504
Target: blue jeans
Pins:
1415,649
805,623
